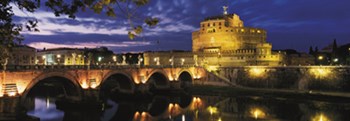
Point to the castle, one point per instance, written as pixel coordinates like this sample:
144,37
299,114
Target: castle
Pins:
223,41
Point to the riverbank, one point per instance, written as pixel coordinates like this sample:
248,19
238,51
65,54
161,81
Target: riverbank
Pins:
334,97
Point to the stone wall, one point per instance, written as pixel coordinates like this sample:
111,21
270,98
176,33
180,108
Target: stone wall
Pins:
323,78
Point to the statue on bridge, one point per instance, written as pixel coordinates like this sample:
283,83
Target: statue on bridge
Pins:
124,60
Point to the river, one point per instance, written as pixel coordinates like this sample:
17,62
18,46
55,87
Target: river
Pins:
197,108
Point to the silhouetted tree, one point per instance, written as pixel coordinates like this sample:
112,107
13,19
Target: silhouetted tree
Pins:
311,51
10,31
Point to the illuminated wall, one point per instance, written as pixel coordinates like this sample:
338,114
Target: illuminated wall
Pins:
224,38
323,78
61,56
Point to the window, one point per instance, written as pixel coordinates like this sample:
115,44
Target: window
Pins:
219,23
213,24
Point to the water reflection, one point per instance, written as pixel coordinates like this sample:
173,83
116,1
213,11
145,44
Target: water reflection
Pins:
200,108
45,108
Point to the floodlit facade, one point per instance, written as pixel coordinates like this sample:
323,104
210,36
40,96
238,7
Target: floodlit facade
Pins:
60,56
222,41
225,41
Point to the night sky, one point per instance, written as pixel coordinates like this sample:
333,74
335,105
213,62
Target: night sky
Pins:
291,24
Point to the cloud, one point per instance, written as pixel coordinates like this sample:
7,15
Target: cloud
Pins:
124,44
280,23
49,24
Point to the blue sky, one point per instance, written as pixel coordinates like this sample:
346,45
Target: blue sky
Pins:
292,24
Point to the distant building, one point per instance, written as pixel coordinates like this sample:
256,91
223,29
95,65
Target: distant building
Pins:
100,56
60,56
295,58
225,41
174,58
302,59
332,54
22,55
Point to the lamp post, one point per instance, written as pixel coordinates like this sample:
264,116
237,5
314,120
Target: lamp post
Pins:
348,59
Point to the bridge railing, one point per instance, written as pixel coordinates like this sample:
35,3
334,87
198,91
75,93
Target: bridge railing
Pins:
51,67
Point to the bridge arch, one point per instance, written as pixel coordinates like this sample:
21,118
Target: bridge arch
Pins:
67,80
185,79
158,80
117,82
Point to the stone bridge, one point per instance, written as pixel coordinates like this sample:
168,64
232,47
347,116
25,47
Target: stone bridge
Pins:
20,80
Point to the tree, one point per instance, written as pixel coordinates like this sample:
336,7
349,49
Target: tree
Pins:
311,50
10,32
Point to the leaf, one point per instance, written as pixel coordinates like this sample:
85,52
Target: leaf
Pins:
141,2
151,21
106,2
131,35
110,12
138,29
97,8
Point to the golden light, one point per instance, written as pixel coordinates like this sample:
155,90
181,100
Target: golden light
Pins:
142,78
256,71
320,117
58,56
84,85
170,106
219,119
43,56
1,94
320,72
171,78
212,68
143,114
320,57
212,110
136,115
257,113
197,77
20,87
93,85
11,94
196,103
114,58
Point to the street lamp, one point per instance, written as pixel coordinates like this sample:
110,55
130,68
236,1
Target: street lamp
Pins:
320,57
99,59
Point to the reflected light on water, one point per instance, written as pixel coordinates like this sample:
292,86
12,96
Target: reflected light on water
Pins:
257,113
141,116
219,119
196,103
212,110
320,117
136,115
46,113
